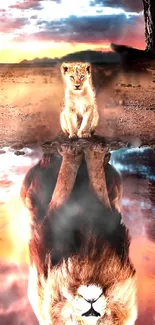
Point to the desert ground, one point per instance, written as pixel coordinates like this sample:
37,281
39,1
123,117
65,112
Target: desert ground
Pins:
31,99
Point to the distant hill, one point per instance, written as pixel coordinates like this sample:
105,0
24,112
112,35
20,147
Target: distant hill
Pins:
93,57
40,62
96,57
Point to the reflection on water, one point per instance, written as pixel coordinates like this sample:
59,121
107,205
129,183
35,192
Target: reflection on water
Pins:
13,168
13,215
136,161
137,167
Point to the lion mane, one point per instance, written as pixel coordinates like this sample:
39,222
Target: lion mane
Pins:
86,255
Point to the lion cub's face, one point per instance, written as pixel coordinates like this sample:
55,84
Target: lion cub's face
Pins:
77,75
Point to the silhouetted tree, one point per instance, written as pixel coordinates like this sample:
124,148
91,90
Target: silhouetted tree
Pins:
132,58
149,17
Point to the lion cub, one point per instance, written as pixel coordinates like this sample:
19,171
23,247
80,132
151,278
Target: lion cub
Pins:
79,117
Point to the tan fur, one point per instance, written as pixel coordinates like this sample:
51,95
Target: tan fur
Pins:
71,160
104,179
80,116
30,191
55,299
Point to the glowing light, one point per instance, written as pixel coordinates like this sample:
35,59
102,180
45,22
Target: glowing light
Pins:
5,4
16,232
19,224
15,218
34,46
40,49
79,8
5,40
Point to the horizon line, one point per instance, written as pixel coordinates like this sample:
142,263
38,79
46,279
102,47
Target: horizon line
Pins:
58,58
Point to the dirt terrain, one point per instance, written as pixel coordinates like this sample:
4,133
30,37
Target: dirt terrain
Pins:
31,98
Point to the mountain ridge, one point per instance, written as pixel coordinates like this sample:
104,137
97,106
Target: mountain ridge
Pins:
87,55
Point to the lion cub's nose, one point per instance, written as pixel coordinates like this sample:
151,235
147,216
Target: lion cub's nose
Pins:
77,86
90,293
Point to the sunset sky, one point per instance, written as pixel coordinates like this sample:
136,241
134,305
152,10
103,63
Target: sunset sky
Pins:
53,28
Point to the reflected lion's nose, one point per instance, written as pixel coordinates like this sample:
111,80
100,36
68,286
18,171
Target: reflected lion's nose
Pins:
90,293
77,86
91,300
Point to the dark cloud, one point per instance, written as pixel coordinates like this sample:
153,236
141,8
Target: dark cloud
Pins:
130,5
34,17
28,4
90,29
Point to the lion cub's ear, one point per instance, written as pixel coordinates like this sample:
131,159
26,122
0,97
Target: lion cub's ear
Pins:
88,68
64,68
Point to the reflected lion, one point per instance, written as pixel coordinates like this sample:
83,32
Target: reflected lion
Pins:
80,271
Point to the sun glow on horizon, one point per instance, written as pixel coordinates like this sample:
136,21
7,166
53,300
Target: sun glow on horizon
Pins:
32,49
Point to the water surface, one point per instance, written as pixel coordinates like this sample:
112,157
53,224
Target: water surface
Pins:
137,167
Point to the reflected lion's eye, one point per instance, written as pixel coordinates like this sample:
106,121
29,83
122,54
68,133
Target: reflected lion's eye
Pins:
82,77
72,77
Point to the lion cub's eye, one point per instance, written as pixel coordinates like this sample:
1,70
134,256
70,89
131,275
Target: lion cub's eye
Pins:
82,77
72,77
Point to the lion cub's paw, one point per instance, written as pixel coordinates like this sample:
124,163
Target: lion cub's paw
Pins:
66,132
83,134
73,136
